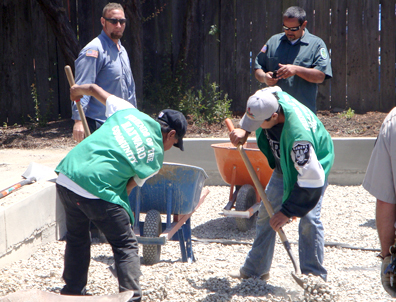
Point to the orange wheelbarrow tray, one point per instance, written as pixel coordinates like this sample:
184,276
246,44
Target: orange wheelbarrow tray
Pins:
234,172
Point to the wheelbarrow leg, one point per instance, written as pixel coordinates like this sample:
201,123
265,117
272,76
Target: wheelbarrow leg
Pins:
169,194
187,237
184,234
182,244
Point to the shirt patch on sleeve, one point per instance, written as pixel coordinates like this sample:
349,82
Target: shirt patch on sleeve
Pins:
264,49
301,152
92,53
323,53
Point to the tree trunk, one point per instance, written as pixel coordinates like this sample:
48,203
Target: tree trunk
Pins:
57,17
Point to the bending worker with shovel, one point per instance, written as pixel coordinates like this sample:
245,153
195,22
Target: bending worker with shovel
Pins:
96,177
301,152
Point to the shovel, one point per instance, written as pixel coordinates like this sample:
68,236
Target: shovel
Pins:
268,206
33,173
70,78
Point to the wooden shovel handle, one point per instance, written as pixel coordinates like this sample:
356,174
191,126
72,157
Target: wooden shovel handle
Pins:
263,197
252,173
70,78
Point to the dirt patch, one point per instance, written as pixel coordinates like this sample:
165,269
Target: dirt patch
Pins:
367,125
58,134
55,135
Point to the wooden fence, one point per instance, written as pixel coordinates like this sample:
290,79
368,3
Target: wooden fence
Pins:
360,35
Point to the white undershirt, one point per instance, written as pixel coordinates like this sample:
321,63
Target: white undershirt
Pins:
113,104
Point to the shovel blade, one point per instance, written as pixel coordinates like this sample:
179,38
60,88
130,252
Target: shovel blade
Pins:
298,280
40,172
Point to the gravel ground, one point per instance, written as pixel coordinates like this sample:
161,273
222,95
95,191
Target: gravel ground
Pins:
348,217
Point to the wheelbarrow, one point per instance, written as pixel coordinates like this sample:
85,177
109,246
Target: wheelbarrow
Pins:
177,192
244,200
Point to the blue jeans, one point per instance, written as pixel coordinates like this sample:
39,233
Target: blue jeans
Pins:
311,236
114,222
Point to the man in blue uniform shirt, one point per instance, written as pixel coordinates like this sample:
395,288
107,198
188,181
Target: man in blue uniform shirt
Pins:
104,61
300,59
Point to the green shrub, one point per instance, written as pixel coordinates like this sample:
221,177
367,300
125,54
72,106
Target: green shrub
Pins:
40,119
172,90
166,90
206,105
347,114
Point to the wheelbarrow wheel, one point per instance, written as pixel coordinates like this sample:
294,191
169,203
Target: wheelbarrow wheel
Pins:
152,228
246,198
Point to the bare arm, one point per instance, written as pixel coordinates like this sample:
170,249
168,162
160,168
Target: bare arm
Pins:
311,75
77,91
385,220
265,77
78,131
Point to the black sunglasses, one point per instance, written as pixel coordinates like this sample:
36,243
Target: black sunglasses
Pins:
115,21
291,28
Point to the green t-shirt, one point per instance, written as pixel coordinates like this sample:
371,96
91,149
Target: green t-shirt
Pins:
300,125
129,143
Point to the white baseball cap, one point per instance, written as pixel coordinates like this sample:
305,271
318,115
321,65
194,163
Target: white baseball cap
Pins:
260,106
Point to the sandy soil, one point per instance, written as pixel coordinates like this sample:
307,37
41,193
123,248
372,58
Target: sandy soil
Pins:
14,162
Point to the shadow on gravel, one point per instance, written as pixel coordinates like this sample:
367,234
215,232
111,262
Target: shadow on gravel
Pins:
104,259
369,224
223,227
221,289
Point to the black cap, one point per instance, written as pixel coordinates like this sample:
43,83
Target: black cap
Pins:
176,120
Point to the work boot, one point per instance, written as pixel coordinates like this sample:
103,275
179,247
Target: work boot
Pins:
238,274
66,291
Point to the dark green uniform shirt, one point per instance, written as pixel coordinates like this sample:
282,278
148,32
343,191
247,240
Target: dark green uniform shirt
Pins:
310,51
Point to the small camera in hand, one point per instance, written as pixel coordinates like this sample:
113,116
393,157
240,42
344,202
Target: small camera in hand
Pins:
274,74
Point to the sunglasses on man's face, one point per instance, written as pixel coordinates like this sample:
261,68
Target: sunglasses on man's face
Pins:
115,21
291,28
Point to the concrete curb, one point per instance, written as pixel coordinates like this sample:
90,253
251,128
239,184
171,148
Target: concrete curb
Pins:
29,223
351,158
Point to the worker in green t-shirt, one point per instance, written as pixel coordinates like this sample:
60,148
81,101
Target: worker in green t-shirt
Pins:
301,152
96,177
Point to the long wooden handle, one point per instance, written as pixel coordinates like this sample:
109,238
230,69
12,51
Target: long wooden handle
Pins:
263,197
70,78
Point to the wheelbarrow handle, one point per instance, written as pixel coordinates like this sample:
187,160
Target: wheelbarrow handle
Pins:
70,78
263,197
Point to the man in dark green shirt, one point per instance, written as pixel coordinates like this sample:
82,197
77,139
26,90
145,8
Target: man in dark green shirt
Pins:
300,59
